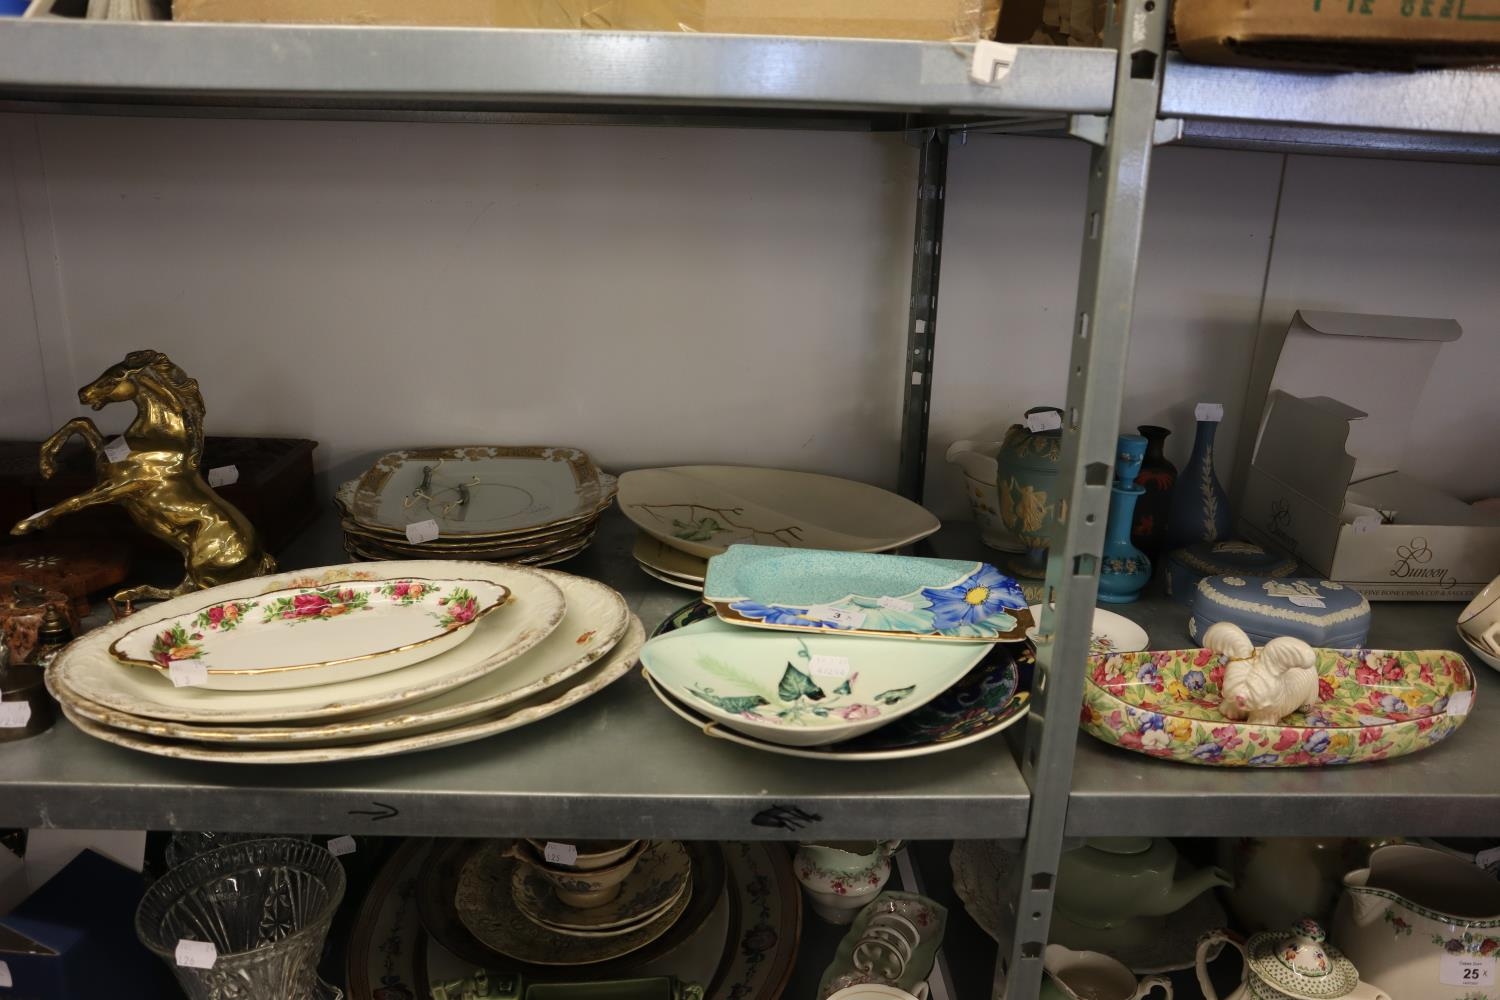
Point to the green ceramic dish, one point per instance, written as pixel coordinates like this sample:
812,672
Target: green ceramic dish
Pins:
1373,704
928,917
807,689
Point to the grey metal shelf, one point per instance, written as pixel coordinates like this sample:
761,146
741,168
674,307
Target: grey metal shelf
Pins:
1437,114
618,764
1448,789
413,70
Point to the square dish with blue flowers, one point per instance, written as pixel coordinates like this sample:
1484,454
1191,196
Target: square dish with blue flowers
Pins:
866,593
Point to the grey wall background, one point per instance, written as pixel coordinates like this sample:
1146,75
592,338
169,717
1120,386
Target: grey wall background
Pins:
662,296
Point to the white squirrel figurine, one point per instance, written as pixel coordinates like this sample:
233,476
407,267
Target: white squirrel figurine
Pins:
1266,685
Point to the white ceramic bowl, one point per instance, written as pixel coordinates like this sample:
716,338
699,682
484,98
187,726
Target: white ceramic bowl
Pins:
803,688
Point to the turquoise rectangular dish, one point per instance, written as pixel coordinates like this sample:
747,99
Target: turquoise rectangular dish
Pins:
865,593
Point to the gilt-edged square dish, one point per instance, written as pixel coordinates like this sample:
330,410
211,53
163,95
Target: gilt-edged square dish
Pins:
479,490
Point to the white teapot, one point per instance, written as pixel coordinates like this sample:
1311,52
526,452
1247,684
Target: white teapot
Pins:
1298,964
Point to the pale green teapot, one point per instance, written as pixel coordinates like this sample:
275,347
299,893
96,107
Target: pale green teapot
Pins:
1112,880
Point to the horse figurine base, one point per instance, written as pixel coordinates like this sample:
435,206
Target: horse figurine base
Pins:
155,475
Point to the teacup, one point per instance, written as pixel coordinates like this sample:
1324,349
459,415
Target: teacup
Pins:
592,854
581,890
1480,619
1089,975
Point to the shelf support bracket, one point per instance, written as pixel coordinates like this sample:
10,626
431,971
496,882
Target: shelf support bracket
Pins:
921,329
1119,168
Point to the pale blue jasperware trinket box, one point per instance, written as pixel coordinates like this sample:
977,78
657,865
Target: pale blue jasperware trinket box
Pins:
1319,612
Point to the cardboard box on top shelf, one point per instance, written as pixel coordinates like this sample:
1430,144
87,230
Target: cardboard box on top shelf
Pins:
1324,482
936,20
1339,34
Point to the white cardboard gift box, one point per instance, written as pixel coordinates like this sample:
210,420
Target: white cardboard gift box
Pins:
1324,483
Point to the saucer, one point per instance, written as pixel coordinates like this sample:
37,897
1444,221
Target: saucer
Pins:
1479,651
657,881
484,909
1110,633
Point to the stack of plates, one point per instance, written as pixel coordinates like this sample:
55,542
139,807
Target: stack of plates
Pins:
347,662
690,513
510,908
534,506
738,935
845,655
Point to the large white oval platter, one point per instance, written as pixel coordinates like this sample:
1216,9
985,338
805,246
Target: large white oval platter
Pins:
621,660
704,509
594,623
86,669
303,636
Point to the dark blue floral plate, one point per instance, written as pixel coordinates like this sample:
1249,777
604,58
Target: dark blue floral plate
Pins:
982,703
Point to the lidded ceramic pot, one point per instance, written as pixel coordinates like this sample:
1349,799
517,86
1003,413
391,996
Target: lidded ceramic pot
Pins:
1186,566
1026,481
1298,964
1319,612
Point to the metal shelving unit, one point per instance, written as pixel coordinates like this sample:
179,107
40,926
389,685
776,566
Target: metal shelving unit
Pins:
616,765
662,777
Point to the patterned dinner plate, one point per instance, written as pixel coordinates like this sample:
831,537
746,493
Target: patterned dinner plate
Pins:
703,509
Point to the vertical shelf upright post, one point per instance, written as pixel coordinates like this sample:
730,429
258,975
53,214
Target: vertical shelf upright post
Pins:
1119,169
926,256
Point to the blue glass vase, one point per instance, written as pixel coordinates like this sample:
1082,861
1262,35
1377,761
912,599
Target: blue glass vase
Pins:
1200,507
1126,570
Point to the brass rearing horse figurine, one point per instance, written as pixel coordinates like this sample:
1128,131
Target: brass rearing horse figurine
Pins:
158,482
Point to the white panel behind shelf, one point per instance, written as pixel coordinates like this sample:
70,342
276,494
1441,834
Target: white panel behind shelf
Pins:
679,295
653,295
1412,239
23,392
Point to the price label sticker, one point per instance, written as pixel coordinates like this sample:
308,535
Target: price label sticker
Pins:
5,980
557,853
196,954
1467,970
117,450
1046,420
838,616
421,531
836,667
187,673
1209,411
1459,704
339,846
1366,523
1303,601
14,714
224,475
896,604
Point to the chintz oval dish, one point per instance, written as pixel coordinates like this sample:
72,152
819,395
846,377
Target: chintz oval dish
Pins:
803,690
1373,704
306,636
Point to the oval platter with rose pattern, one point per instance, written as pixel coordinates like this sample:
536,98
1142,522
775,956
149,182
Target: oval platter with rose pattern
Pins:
305,636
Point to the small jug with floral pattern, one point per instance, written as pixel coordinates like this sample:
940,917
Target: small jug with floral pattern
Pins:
842,876
1298,964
